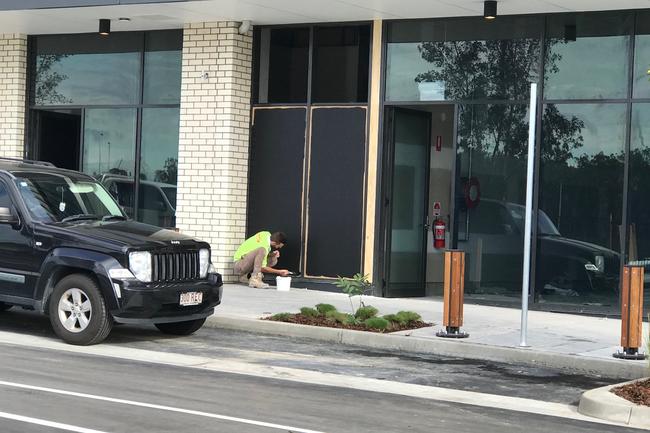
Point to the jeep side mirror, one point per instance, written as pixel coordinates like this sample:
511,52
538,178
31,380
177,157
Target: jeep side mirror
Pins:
7,216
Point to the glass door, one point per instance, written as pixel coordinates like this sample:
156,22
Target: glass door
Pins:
409,144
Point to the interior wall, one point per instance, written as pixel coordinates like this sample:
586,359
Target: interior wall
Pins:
441,163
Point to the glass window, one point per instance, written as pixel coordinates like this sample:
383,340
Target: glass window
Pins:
642,56
59,198
87,69
492,154
159,166
595,64
162,67
462,59
638,231
581,192
283,65
341,63
109,148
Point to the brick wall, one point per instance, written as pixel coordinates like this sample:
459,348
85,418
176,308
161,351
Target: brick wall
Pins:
13,75
213,145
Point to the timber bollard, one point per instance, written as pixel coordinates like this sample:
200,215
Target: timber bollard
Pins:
454,295
631,313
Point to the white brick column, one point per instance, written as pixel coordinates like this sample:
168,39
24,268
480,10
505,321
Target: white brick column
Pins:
213,146
13,76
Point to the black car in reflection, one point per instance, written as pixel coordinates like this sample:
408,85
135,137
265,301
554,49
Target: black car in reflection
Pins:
492,236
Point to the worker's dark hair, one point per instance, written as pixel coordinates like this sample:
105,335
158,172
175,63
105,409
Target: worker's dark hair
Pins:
279,237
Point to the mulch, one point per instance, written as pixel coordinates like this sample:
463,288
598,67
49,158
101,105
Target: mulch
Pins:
327,323
638,392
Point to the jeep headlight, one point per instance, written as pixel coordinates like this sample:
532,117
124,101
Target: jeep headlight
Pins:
204,262
140,265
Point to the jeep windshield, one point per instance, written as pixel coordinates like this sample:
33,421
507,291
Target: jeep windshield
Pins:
56,197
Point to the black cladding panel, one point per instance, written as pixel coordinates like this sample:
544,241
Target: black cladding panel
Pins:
276,178
337,163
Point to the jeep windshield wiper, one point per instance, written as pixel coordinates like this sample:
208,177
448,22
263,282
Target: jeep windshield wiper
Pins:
80,217
114,217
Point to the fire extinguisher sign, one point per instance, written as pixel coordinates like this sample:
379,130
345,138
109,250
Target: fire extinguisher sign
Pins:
436,209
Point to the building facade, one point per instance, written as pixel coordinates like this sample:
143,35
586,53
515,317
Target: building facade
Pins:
356,131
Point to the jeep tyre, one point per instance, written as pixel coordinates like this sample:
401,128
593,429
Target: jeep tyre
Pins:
181,328
78,311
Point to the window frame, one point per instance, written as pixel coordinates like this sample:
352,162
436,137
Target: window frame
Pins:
140,40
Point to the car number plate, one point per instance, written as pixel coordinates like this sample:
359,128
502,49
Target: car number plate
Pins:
191,298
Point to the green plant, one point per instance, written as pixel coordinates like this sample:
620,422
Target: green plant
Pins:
325,308
336,316
378,323
351,320
407,317
309,312
358,285
366,312
281,317
392,318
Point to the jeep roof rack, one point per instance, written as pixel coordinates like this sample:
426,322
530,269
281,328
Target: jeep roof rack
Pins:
28,161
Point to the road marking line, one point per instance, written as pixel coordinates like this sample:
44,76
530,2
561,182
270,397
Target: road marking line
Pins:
45,423
225,365
153,406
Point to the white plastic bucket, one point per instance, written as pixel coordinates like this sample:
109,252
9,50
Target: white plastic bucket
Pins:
283,284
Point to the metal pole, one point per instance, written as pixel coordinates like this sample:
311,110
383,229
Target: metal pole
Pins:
528,230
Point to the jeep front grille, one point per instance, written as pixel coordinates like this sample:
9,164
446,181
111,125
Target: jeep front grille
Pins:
182,266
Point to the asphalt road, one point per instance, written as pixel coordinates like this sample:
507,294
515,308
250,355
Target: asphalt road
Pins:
89,393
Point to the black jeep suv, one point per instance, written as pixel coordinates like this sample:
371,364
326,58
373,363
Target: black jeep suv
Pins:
69,251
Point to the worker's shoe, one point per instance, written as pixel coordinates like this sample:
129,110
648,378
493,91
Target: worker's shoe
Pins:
256,282
244,279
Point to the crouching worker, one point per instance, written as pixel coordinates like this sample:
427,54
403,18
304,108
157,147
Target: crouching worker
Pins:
258,255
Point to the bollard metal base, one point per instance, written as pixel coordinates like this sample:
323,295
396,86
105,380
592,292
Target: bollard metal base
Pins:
452,332
630,353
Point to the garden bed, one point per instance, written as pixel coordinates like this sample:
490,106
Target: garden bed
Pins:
325,322
364,319
637,392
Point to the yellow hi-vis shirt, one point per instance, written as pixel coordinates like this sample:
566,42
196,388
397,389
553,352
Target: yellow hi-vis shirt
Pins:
258,240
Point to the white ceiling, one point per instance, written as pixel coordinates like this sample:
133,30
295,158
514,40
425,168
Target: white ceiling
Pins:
174,15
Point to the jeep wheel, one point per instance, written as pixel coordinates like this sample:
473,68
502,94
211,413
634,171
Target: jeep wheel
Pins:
181,328
78,311
5,307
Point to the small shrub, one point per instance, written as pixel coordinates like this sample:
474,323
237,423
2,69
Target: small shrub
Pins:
358,285
351,320
366,312
281,317
309,312
325,308
406,317
336,316
378,323
392,318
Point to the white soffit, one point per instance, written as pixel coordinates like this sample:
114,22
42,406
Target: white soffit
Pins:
176,14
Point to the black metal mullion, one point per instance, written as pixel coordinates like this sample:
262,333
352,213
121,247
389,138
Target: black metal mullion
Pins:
82,139
379,261
138,133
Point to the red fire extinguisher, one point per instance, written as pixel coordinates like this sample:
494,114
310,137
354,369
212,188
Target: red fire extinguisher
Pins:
439,234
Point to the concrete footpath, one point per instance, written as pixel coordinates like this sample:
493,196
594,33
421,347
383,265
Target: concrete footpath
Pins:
556,340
